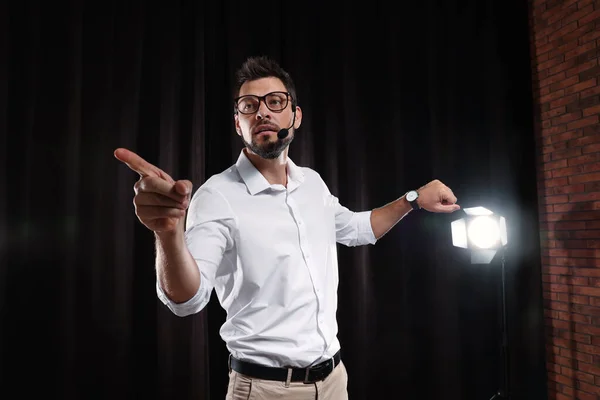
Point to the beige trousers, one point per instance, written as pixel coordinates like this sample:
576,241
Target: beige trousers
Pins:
334,387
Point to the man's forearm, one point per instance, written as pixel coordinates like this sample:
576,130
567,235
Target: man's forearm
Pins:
384,218
176,269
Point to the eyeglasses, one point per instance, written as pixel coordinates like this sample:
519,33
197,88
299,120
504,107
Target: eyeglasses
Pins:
249,104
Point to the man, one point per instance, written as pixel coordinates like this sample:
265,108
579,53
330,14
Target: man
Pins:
263,235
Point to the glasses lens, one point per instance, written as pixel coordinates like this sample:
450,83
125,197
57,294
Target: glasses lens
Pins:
277,101
248,104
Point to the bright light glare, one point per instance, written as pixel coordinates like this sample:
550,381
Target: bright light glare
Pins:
477,211
459,233
484,232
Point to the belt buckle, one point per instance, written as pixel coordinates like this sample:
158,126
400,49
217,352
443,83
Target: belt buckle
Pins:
319,371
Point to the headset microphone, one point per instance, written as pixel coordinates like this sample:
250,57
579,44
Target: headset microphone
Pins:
282,134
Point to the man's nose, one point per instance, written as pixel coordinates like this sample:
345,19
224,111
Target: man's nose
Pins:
263,111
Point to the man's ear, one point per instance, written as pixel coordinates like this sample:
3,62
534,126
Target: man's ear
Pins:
298,121
236,119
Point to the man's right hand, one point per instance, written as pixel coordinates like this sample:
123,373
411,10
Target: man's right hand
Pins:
160,202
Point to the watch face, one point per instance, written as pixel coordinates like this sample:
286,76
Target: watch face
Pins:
411,196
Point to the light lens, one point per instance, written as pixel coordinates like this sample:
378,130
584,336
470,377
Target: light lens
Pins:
484,232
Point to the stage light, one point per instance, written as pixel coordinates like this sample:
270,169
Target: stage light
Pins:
481,231
484,233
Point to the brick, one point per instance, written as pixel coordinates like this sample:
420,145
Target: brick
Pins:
589,92
555,14
584,3
592,148
554,112
563,49
593,130
548,30
591,110
589,73
579,375
584,197
573,299
573,280
564,83
563,31
576,34
550,63
592,225
589,272
591,120
581,86
589,368
581,67
556,199
583,103
546,96
565,65
553,147
592,35
557,182
583,49
574,16
563,119
584,159
588,55
564,101
583,309
593,391
592,187
595,234
555,164
589,18
573,262
542,57
576,253
553,79
585,139
570,171
554,130
594,176
567,207
587,291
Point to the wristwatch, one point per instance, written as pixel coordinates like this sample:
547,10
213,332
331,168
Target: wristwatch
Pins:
412,197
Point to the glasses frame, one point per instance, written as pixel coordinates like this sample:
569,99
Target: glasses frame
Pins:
262,99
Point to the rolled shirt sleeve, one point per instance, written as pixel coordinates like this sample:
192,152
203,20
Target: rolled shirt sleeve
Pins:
210,223
353,228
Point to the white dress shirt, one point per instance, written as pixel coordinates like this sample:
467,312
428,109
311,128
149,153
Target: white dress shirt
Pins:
269,252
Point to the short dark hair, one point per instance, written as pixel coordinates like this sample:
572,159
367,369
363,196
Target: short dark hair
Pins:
264,67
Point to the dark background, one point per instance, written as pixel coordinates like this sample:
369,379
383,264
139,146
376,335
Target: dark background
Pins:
391,100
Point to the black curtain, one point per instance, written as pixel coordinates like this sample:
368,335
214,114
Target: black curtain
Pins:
393,96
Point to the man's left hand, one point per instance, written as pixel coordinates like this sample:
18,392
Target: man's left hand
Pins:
437,197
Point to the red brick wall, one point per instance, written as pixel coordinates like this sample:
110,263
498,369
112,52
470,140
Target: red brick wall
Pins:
565,43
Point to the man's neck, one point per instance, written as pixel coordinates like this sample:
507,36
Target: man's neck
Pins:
274,171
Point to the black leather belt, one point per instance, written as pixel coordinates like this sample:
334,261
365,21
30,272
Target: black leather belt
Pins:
312,374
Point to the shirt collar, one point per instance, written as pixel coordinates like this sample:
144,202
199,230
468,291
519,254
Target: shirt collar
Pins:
256,182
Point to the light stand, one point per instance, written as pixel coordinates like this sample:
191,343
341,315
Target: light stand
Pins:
484,234
504,393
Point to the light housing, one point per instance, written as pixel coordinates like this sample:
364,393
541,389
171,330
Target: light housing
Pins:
482,232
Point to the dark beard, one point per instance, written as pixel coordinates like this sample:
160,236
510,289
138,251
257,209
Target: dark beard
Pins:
269,150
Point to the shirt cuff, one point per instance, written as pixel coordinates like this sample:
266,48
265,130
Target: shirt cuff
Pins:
365,229
189,307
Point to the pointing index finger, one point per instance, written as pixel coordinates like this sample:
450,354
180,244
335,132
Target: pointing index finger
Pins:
139,165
